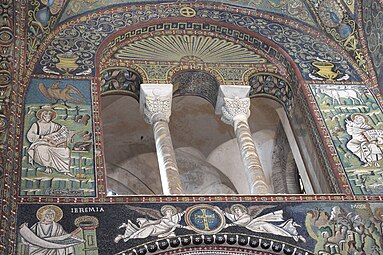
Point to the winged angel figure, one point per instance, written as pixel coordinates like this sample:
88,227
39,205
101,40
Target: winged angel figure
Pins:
241,216
165,222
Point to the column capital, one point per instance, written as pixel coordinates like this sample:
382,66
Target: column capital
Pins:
233,103
235,109
156,102
157,108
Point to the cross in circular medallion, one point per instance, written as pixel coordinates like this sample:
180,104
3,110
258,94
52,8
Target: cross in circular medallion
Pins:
187,12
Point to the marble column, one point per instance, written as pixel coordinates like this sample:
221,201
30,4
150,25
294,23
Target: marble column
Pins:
233,104
155,104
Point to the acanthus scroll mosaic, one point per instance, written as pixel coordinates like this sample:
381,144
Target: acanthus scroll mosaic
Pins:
120,81
296,9
73,51
273,86
373,27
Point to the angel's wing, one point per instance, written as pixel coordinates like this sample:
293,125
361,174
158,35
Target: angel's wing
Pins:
255,210
179,210
155,214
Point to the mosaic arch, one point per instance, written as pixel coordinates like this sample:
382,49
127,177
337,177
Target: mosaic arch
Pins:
183,49
296,9
289,38
80,63
341,223
338,19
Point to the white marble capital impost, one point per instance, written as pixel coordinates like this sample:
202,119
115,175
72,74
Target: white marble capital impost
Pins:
233,104
155,104
235,109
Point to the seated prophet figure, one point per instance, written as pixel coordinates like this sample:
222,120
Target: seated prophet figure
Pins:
364,140
49,143
47,237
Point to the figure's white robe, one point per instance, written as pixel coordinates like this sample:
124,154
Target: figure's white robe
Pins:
47,239
263,224
359,145
43,152
163,227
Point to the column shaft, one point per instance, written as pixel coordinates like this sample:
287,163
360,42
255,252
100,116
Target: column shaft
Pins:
250,159
171,183
234,104
155,104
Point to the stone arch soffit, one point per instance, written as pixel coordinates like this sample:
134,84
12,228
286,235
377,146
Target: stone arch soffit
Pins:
274,87
44,62
191,82
121,81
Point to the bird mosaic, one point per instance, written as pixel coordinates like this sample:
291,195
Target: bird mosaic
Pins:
67,93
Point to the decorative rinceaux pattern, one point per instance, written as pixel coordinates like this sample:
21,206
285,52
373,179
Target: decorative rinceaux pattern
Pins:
79,47
373,27
274,86
196,83
120,81
297,9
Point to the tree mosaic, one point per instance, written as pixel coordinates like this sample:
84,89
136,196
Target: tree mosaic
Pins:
58,140
354,120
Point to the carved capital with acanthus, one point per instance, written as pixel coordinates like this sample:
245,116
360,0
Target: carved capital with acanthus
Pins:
156,102
235,109
157,108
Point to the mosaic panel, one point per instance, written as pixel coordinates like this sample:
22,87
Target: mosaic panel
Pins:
197,84
173,48
296,9
355,123
291,228
42,16
7,42
73,49
58,155
120,81
342,28
271,85
373,28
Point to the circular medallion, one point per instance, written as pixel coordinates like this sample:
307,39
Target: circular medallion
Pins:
187,12
205,219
